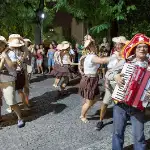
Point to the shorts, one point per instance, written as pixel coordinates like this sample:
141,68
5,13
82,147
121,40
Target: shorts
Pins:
20,80
108,93
9,95
29,69
50,62
39,62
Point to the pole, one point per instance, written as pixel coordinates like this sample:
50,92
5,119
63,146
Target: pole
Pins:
41,30
39,23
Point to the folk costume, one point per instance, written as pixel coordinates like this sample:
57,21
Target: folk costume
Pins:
88,87
7,79
110,85
62,68
139,46
57,65
21,83
28,59
66,68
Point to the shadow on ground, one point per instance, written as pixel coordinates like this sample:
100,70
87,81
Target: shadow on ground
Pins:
74,82
69,91
130,147
41,105
40,78
147,114
96,116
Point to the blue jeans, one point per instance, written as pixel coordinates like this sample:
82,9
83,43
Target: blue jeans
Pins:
121,114
50,62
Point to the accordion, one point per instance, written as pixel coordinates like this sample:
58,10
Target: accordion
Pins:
136,84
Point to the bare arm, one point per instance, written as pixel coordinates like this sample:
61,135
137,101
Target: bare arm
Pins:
100,60
69,59
2,63
8,60
80,66
42,51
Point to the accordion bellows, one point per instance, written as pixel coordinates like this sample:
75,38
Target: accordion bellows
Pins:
137,82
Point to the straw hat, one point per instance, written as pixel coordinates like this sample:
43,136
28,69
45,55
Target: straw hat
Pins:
129,48
114,39
65,42
14,36
59,47
87,37
3,39
27,40
120,39
65,45
88,42
16,43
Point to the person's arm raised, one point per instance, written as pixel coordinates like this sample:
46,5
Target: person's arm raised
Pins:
8,60
100,60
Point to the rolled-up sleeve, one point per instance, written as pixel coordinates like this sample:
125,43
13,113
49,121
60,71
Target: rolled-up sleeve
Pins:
12,56
115,70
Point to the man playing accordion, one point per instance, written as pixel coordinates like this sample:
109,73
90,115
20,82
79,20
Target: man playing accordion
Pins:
134,52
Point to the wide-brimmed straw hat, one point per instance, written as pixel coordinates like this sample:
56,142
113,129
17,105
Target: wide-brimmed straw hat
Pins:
120,39
3,39
14,36
15,43
27,40
65,45
87,37
59,47
129,48
88,42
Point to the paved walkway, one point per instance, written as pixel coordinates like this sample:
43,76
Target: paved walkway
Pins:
54,124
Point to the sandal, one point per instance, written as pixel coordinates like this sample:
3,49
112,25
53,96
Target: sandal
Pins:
83,119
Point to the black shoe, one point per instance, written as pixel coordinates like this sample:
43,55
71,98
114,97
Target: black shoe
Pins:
99,125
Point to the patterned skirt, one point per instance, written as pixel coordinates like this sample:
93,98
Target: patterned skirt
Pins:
61,71
88,87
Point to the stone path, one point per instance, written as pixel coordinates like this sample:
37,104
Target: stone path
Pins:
54,124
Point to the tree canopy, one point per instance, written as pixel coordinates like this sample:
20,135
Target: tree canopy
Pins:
99,15
19,16
116,17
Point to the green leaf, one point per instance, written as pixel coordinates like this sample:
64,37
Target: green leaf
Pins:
100,28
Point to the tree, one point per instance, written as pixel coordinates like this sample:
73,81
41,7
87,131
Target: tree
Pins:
19,16
98,15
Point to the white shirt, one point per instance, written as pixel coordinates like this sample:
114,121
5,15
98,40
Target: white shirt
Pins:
13,58
89,66
65,59
71,52
113,61
57,57
11,76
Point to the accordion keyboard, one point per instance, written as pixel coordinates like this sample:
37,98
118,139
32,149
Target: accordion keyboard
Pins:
119,91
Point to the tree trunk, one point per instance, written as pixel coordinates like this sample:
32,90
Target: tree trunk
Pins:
37,34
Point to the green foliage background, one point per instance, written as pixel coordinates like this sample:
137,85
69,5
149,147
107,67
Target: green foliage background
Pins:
131,17
19,16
